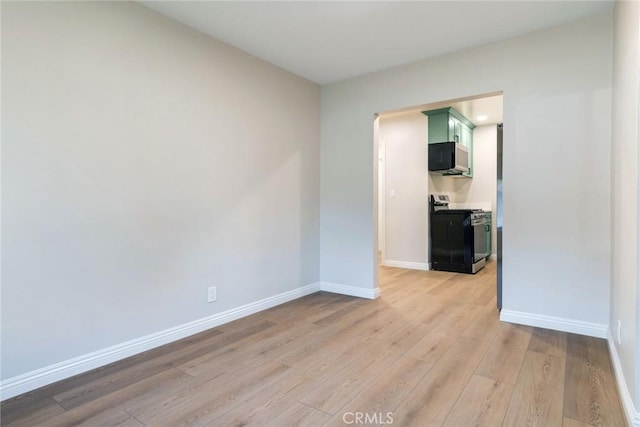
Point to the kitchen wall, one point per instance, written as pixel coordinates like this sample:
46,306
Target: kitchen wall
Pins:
405,198
141,163
557,108
624,201
481,189
407,185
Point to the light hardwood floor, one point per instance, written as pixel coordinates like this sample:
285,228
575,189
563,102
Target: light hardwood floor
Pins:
430,352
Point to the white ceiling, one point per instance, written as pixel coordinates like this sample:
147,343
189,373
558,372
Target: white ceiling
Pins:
489,106
328,41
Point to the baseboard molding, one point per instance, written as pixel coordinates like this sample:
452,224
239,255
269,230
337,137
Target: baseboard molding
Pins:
556,323
353,291
493,257
406,264
633,417
41,377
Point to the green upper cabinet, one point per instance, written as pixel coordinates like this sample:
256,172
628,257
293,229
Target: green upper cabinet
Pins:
447,124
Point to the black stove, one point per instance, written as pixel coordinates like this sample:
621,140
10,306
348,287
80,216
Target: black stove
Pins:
457,238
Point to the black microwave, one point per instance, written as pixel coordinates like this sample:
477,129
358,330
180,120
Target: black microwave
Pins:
448,157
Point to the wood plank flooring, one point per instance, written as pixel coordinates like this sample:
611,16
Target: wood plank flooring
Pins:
430,352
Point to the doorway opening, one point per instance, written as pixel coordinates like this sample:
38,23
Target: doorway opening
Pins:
404,183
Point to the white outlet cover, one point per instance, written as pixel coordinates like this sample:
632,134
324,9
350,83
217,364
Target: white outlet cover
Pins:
619,332
212,294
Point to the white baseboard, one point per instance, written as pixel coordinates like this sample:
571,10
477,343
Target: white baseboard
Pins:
353,291
493,257
556,323
40,377
406,264
632,415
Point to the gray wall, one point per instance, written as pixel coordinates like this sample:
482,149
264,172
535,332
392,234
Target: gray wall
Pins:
557,110
405,141
143,162
624,192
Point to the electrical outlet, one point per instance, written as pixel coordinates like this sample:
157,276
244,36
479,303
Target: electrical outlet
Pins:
212,294
619,332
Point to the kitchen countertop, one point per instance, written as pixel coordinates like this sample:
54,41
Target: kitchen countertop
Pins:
485,206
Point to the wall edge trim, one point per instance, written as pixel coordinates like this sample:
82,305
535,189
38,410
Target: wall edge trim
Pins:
562,324
406,264
353,291
630,412
32,380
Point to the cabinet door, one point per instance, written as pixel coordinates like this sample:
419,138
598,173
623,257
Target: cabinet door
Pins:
447,240
438,128
465,137
457,135
467,141
487,228
440,241
455,129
